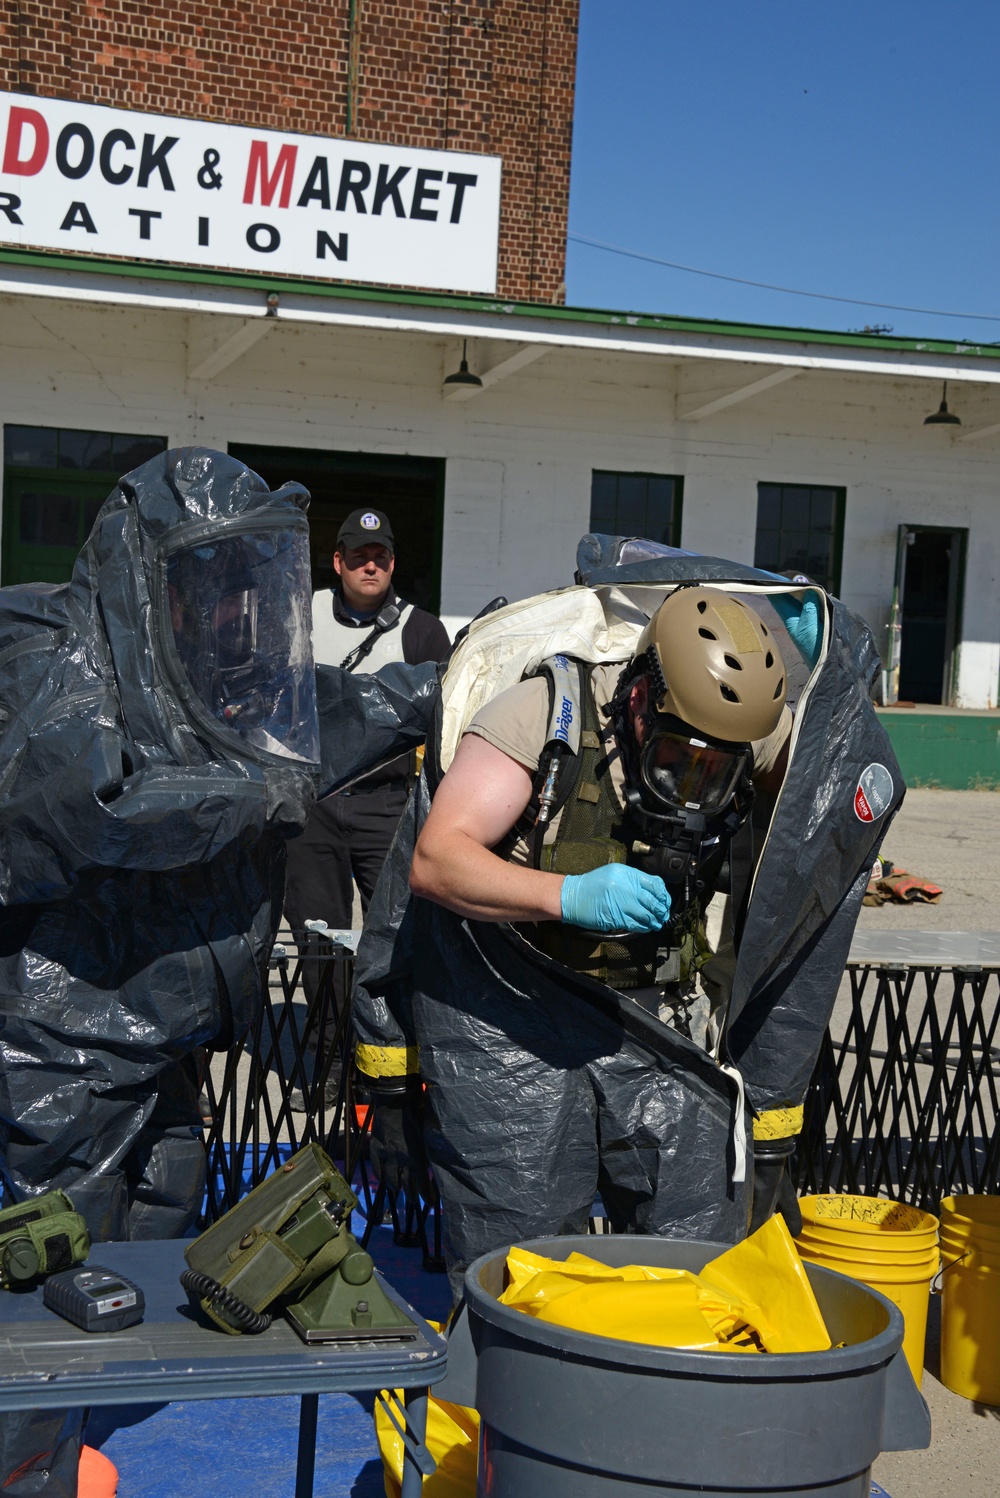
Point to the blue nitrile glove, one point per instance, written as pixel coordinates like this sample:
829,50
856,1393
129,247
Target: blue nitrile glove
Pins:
615,898
800,616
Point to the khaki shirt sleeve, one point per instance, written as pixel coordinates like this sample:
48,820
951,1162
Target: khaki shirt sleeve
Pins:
766,752
516,722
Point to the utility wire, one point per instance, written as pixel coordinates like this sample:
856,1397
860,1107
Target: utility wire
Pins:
821,296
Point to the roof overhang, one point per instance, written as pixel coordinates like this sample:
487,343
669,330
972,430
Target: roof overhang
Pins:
127,284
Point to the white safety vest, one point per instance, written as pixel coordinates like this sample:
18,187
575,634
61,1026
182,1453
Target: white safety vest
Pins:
333,641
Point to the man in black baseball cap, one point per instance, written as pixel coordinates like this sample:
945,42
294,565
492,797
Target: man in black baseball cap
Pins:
359,625
364,562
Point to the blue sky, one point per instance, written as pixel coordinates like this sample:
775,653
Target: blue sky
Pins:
846,149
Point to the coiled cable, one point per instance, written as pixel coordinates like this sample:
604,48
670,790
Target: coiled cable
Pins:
203,1287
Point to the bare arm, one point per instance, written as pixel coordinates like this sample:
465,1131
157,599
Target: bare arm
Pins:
477,803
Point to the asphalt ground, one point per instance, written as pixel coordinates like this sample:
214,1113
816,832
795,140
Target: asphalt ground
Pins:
953,839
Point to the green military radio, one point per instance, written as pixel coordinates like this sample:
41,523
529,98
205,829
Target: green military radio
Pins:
40,1236
289,1243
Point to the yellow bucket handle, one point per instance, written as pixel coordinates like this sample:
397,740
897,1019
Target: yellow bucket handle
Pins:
935,1286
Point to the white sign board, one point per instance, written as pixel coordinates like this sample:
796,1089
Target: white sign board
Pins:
82,177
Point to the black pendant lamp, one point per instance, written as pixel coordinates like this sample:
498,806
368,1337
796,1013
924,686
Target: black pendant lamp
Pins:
462,376
942,417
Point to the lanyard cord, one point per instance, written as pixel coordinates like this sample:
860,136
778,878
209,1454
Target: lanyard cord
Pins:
354,657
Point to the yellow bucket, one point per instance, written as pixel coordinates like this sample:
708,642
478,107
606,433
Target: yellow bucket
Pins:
970,1297
890,1246
863,1216
830,1248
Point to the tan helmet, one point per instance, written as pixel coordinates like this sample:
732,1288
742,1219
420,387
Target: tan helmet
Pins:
719,668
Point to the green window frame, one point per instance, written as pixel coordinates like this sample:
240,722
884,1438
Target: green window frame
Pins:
55,481
637,504
800,528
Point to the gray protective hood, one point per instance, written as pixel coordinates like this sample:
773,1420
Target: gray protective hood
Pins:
795,931
97,748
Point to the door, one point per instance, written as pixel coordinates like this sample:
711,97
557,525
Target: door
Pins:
409,490
931,574
55,480
47,518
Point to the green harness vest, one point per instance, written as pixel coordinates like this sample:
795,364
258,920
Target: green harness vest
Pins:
590,834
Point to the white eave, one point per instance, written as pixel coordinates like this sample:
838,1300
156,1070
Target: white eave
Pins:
617,333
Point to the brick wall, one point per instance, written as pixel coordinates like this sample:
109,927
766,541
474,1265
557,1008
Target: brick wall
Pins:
494,76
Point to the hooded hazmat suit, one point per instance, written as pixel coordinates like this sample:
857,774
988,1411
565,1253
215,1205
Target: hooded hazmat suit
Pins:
159,741
545,1087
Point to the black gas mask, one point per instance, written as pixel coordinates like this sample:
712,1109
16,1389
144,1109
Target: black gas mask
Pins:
686,796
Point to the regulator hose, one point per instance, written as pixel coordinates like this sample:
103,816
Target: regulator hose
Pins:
203,1287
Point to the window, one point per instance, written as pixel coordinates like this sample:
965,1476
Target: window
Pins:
636,504
54,447
55,481
800,527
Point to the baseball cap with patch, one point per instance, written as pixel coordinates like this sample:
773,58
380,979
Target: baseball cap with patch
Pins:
363,527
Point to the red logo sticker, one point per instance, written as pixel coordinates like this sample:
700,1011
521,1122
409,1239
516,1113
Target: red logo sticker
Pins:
874,794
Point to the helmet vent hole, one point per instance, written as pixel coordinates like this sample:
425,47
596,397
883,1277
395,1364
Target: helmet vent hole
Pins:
733,663
702,605
778,689
728,692
769,660
706,634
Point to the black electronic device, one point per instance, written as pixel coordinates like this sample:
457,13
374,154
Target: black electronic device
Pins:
94,1298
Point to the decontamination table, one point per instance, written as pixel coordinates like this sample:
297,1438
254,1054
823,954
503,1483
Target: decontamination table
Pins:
46,1363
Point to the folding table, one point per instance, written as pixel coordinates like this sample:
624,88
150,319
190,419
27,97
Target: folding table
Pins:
47,1363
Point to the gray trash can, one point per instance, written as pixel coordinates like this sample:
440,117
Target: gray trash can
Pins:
569,1415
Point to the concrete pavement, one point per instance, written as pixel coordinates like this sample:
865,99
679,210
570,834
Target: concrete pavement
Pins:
953,839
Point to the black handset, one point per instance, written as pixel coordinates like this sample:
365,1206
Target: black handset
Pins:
386,617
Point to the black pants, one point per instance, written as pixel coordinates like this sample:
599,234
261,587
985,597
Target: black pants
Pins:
345,843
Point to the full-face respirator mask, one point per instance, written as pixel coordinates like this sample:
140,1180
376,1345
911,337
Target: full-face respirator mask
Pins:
686,797
715,683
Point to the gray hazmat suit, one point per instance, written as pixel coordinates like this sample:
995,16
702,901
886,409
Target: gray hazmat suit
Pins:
158,743
545,1088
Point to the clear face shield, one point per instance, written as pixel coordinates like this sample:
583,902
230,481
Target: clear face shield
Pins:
240,610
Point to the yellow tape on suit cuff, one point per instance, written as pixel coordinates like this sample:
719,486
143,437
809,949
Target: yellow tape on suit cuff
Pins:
779,1123
387,1060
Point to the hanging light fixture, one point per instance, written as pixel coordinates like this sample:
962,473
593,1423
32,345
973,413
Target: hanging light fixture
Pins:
462,376
942,417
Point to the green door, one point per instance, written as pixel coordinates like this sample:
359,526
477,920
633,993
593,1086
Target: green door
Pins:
47,516
55,480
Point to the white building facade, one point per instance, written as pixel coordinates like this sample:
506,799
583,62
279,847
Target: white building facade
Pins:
736,421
